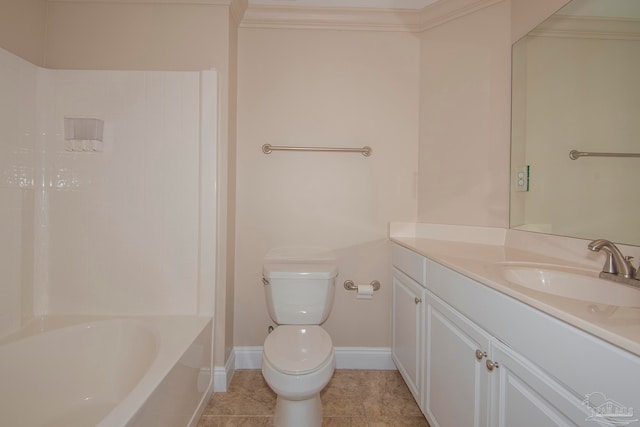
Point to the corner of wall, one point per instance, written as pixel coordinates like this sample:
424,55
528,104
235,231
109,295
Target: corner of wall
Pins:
22,29
525,15
236,10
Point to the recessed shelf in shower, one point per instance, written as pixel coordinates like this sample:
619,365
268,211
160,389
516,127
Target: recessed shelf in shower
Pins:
83,134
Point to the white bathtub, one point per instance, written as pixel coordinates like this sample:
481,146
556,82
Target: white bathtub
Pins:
75,371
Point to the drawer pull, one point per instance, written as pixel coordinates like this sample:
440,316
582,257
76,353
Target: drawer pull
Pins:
480,354
417,300
492,365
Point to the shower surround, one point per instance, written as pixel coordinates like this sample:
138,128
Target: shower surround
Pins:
128,231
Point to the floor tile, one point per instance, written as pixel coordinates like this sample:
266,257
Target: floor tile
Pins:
399,422
345,422
212,421
353,398
248,394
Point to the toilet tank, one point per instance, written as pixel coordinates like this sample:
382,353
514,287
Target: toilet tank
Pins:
299,293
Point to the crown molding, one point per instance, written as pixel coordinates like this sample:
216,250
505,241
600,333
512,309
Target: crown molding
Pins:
362,19
586,27
237,9
330,18
186,2
247,15
371,4
447,10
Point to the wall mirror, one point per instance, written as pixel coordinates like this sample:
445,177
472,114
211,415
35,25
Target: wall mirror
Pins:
576,86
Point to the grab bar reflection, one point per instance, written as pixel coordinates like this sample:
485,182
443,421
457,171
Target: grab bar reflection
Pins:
575,154
268,148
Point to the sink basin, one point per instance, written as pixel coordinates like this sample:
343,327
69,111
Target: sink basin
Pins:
575,283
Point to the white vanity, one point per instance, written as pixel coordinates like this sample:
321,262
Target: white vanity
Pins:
478,350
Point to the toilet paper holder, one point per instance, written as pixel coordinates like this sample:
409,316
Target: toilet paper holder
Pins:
350,286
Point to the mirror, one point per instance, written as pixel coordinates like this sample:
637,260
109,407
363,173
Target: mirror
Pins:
576,86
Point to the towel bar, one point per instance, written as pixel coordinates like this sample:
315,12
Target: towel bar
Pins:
268,148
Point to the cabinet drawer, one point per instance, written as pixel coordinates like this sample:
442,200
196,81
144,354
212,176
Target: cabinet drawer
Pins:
409,262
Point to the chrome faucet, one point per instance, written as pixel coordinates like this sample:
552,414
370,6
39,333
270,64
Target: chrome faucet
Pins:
617,267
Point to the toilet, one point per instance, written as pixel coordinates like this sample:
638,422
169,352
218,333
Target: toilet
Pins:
298,359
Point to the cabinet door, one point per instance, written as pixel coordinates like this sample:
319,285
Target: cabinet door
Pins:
524,396
456,378
407,329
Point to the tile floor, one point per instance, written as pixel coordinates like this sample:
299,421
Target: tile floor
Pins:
351,399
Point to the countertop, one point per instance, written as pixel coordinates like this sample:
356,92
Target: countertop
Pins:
619,326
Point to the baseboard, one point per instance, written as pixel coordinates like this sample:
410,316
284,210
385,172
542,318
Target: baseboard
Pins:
248,357
222,374
374,358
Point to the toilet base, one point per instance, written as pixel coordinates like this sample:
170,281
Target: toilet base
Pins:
298,413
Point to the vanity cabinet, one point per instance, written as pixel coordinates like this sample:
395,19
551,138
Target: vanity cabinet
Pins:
473,379
524,396
408,294
456,383
408,329
486,359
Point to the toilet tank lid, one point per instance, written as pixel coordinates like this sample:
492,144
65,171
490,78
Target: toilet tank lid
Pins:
300,270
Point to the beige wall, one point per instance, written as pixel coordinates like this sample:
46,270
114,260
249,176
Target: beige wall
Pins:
464,126
465,112
136,36
226,232
22,28
324,88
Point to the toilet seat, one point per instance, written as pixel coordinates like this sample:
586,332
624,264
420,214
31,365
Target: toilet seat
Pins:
298,349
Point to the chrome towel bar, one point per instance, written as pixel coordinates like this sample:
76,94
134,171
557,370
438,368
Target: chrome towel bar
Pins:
268,148
575,154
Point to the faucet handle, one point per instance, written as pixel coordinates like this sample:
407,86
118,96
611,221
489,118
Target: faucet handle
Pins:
632,270
609,264
635,272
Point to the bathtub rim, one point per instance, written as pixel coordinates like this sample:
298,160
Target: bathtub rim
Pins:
174,335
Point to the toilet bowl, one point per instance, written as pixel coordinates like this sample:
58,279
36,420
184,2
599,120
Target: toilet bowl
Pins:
297,362
298,359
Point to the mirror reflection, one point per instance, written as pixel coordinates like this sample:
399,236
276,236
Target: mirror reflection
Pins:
576,86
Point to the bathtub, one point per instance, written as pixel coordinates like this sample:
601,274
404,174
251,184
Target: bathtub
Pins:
76,371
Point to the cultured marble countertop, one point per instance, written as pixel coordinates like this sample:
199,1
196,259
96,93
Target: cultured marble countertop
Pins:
617,325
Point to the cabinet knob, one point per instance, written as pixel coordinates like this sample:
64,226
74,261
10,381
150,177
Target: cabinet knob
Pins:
480,354
417,300
491,365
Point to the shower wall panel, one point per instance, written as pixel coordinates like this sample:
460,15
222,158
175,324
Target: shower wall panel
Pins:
17,162
128,229
124,222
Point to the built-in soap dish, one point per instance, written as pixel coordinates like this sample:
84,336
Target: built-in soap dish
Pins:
83,134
